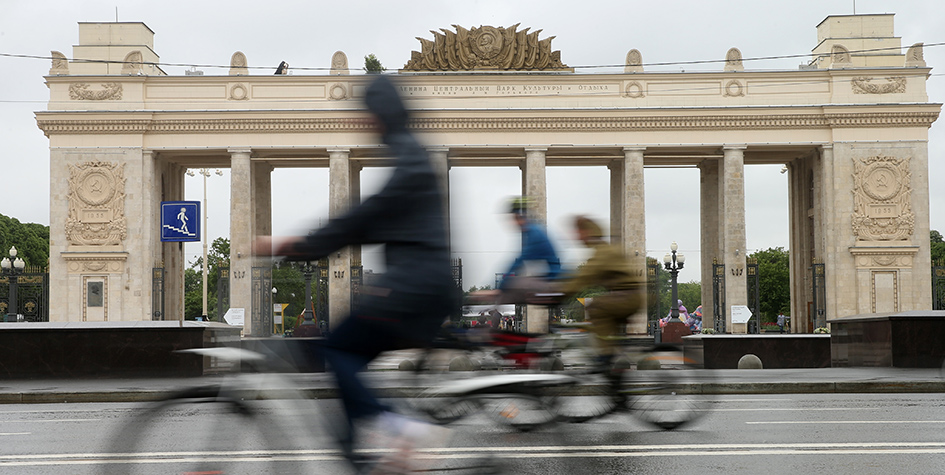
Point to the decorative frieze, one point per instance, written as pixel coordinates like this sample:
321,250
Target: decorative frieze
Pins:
682,122
881,199
96,204
110,91
95,262
865,85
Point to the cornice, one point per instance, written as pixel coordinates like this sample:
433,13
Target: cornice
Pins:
923,118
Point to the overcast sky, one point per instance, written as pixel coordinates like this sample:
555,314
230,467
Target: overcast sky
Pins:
588,33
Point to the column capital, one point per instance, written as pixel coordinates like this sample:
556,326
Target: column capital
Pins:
634,149
234,151
339,151
535,150
827,146
438,149
734,146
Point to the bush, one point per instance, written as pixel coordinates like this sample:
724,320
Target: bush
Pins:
822,330
708,331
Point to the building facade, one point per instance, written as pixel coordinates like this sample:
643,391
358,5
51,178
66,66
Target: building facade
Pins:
851,129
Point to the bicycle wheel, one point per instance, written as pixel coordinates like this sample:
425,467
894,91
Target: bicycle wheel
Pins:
663,390
593,399
193,431
521,410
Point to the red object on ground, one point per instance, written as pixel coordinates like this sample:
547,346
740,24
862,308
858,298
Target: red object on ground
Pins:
674,331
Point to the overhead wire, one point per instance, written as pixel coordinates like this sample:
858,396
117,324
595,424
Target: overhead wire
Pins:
590,66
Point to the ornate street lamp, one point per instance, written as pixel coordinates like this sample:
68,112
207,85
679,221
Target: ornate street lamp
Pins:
11,266
673,263
308,271
206,173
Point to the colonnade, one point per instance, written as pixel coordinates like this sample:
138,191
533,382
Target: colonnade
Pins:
722,210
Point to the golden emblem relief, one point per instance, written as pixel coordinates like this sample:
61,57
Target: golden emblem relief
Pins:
485,48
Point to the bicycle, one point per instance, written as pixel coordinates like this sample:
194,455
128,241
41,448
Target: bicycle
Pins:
656,384
252,422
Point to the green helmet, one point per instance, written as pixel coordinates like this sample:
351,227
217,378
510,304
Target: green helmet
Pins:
519,205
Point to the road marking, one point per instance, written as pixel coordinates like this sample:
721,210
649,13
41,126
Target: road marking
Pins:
23,421
551,451
15,433
845,422
792,409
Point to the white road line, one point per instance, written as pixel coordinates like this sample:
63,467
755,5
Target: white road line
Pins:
844,422
474,453
25,421
15,433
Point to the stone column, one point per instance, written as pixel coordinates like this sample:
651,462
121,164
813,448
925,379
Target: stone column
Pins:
709,207
732,232
242,226
339,262
439,156
262,226
536,317
633,224
828,246
354,183
535,184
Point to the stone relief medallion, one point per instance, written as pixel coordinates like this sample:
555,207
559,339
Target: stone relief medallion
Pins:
864,85
81,92
734,88
96,204
881,199
634,89
238,92
337,92
486,42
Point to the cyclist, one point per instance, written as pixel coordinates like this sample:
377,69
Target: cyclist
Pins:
410,301
609,268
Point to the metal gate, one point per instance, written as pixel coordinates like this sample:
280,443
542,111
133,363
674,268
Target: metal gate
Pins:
653,313
321,294
223,293
26,294
157,293
357,280
754,295
938,285
718,295
261,314
819,294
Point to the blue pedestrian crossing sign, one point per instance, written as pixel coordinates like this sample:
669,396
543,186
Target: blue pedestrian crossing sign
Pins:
180,221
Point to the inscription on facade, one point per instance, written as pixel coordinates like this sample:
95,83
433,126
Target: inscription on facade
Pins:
509,90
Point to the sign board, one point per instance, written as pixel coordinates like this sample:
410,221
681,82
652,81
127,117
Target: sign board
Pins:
740,314
235,316
180,221
277,311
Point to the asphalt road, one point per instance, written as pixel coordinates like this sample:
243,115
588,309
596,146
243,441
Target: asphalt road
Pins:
790,434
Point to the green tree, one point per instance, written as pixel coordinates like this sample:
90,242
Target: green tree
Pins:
774,284
30,239
372,65
218,255
937,247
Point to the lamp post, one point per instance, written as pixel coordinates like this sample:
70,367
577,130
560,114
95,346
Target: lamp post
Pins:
308,270
673,263
12,266
205,172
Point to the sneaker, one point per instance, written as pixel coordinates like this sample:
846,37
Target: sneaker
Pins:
403,437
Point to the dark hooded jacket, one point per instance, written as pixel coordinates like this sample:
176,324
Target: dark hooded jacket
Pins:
407,216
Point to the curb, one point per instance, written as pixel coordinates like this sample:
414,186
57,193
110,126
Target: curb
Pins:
842,387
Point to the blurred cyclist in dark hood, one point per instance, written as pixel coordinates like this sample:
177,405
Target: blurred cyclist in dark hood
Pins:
410,301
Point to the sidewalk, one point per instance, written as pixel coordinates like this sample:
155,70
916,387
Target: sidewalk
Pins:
391,383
